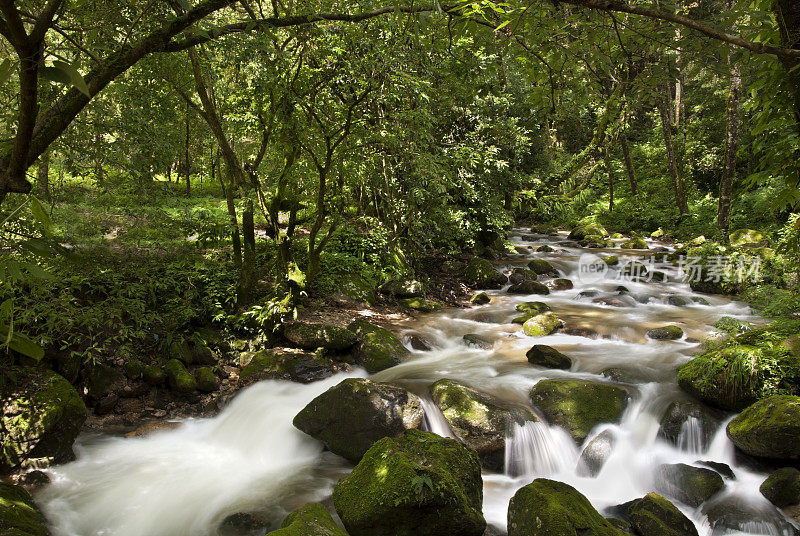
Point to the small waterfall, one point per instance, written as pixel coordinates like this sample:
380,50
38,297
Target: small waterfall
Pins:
534,448
434,420
692,437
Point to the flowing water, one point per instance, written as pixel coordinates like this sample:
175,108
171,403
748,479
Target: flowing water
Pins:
185,481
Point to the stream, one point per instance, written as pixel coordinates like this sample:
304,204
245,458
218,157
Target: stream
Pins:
250,458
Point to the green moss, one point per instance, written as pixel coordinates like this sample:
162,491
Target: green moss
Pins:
419,483
654,515
770,428
180,350
134,369
313,336
579,405
420,304
549,508
482,274
542,267
535,306
562,284
154,375
611,260
746,237
481,298
313,519
666,333
18,513
42,414
179,378
207,381
634,243
542,324
688,484
357,288
782,487
528,287
377,348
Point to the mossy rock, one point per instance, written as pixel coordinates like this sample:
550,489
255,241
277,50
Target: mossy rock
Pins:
403,288
561,284
770,428
313,336
297,366
658,233
179,378
102,380
207,381
595,241
635,270
19,515
688,484
481,298
179,349
747,238
42,415
357,288
354,414
666,333
545,249
528,287
634,243
579,405
617,236
680,413
782,487
695,242
154,375
533,306
723,378
377,348
542,267
477,341
611,260
418,484
545,356
478,419
739,513
542,324
549,508
420,304
653,515
481,274
134,369
313,519
518,275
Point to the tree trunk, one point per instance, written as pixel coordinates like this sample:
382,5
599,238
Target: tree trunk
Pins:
672,162
43,176
247,275
626,153
186,156
234,223
607,158
731,146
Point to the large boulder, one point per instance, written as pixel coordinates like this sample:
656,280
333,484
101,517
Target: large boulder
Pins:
481,274
737,514
782,487
653,515
682,416
355,287
770,428
291,365
688,484
403,288
418,484
542,324
542,267
42,415
312,519
721,377
549,508
354,414
313,336
478,419
19,516
545,356
377,348
528,287
579,405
